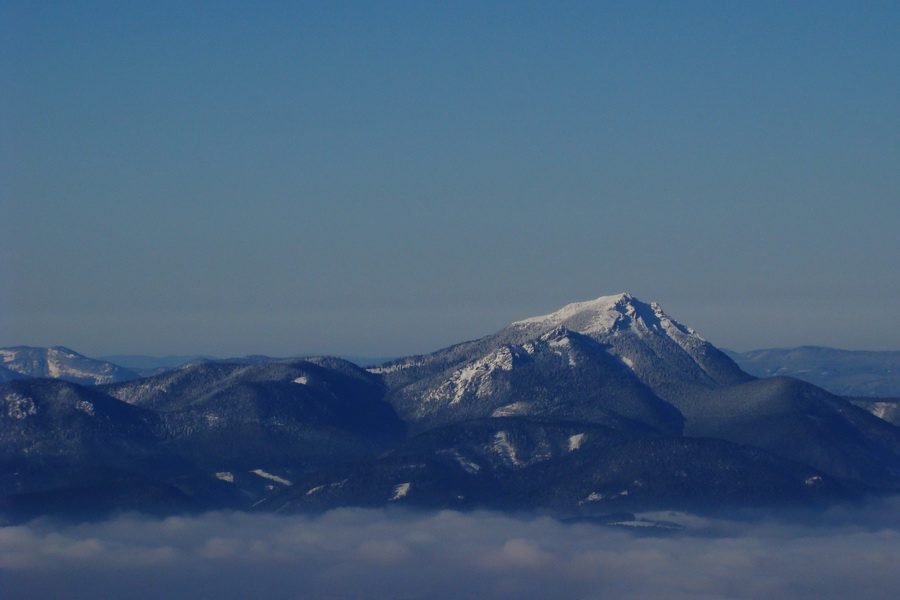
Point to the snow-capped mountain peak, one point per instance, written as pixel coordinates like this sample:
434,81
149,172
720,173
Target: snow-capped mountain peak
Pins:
655,346
608,314
590,316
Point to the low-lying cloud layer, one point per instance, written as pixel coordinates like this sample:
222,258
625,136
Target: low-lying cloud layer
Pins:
356,554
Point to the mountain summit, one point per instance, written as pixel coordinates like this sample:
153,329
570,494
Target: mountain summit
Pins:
666,355
611,313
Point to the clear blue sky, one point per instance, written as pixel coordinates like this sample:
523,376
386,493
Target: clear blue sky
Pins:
385,178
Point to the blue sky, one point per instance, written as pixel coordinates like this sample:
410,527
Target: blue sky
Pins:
385,178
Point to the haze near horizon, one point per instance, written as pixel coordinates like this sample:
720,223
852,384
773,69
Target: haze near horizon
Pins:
391,178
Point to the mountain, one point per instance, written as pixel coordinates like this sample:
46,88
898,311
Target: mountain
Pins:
614,357
558,374
610,357
670,359
273,411
212,435
616,360
796,420
61,363
841,372
665,354
69,448
58,418
603,406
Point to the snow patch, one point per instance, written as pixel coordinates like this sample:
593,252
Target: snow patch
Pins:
681,335
468,465
225,476
593,497
882,410
302,380
563,347
274,478
504,448
507,450
20,407
319,488
509,410
474,378
400,491
85,407
52,366
575,442
391,368
814,480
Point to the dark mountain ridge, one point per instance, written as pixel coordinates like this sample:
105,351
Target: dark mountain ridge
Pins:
562,467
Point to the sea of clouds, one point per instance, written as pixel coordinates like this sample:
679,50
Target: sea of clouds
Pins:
370,554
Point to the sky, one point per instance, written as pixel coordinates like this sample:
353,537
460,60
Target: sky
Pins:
389,178
353,554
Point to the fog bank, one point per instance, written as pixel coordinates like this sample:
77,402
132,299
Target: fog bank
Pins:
352,553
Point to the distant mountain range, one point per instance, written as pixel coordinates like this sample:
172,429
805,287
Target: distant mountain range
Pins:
57,362
603,406
852,373
843,372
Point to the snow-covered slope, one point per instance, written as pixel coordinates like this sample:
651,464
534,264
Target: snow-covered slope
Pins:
558,374
613,356
665,354
58,362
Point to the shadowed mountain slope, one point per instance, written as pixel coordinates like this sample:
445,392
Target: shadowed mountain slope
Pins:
517,463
